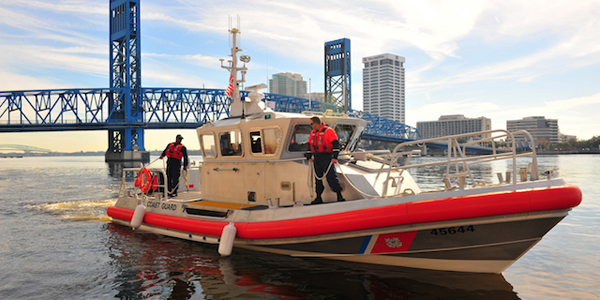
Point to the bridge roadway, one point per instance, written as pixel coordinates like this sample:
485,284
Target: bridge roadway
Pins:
24,148
163,108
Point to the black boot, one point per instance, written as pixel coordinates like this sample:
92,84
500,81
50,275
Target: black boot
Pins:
317,200
340,197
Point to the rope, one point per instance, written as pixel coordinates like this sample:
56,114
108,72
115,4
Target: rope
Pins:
310,181
258,177
186,180
312,175
184,173
152,162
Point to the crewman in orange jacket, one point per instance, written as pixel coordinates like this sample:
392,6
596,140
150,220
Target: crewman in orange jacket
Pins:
324,147
175,152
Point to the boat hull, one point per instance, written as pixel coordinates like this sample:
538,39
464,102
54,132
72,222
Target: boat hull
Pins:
469,233
486,246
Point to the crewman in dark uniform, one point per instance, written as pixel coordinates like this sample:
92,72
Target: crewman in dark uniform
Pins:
175,152
324,147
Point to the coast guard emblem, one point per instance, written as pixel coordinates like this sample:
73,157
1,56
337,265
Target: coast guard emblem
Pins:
393,242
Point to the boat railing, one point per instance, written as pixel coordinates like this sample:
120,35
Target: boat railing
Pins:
130,189
326,113
483,146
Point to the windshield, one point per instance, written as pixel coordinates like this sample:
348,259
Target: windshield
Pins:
344,133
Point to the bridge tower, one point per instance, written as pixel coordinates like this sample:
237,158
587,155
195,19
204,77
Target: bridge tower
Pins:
337,73
125,143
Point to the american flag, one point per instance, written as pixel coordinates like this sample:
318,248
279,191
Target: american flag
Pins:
229,89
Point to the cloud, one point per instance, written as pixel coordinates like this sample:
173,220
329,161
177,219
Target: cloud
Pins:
79,59
173,78
523,69
11,81
566,35
575,103
78,7
458,53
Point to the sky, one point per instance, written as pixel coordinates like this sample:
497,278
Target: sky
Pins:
503,60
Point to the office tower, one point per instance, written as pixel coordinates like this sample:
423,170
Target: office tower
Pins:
289,84
383,86
539,127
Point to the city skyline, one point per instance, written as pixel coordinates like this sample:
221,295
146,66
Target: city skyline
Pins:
503,60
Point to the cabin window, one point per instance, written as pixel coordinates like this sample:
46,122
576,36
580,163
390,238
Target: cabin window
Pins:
265,141
272,139
255,142
299,139
230,143
344,133
207,142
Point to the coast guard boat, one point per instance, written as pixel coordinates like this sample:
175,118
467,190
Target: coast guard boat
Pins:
254,188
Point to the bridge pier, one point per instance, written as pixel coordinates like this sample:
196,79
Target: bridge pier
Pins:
126,145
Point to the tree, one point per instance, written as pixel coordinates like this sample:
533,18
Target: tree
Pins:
543,144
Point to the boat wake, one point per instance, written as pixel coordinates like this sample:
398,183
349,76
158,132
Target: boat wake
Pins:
83,210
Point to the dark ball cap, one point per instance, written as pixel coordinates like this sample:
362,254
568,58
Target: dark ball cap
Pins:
179,137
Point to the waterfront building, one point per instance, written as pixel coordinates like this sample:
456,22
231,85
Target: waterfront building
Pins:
565,138
315,96
453,124
289,84
539,127
383,86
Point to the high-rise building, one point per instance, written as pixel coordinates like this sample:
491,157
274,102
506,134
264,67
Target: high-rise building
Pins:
289,84
453,124
383,86
539,127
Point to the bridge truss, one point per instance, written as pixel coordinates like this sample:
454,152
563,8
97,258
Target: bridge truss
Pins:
163,108
24,148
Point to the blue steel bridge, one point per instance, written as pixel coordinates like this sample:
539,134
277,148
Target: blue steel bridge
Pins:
126,109
162,108
24,148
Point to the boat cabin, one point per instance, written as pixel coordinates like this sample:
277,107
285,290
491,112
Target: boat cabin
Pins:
255,158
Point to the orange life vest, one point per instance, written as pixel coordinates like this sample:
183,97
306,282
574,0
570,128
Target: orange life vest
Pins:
321,140
174,151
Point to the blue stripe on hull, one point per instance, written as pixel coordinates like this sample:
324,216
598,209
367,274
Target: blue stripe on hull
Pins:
365,244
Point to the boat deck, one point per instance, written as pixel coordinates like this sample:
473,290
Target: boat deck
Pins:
193,200
187,196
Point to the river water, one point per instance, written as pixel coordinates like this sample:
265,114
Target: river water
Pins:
56,242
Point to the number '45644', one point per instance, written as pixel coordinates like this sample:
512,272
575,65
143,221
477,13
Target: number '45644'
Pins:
452,230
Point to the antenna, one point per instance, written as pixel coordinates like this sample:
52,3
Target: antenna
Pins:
233,67
239,26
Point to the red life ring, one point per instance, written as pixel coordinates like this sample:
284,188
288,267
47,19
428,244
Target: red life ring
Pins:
143,180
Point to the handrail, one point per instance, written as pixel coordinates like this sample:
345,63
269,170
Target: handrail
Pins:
456,155
135,171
